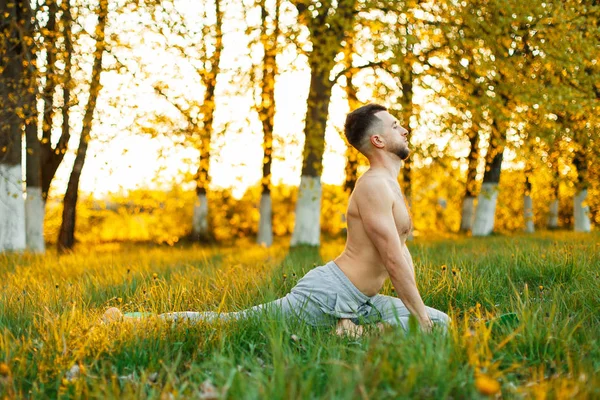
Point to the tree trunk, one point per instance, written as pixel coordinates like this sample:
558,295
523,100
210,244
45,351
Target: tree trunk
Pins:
327,29
553,214
200,227
467,214
265,226
406,80
351,168
308,207
308,210
528,207
34,204
12,206
66,237
50,45
581,210
267,117
201,230
553,209
486,201
51,157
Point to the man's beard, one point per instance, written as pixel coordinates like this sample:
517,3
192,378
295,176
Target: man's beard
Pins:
402,152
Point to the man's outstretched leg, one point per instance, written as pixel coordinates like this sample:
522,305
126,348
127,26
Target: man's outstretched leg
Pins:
286,306
290,305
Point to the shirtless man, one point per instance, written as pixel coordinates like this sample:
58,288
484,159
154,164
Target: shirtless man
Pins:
378,219
344,292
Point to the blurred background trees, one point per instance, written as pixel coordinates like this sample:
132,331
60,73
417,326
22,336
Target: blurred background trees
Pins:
501,98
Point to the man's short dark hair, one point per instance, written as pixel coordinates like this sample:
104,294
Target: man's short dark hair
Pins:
359,121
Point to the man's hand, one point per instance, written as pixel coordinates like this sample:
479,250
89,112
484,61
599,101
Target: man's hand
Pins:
426,325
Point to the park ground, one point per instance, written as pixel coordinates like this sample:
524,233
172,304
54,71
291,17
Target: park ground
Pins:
53,344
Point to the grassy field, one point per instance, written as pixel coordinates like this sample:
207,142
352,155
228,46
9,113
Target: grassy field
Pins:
52,344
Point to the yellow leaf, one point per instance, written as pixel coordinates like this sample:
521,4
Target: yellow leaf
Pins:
487,385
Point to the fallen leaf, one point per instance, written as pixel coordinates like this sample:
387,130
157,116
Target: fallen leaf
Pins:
487,385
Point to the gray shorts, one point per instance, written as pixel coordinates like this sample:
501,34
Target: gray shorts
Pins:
322,297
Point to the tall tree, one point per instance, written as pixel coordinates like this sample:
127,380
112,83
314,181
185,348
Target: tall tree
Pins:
200,225
467,214
552,222
269,34
66,237
407,84
352,155
12,74
327,26
203,55
528,203
476,107
488,196
581,210
34,203
52,154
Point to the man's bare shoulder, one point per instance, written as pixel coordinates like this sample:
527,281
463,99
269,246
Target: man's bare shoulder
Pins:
372,185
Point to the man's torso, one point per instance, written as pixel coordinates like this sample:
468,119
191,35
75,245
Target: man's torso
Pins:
361,261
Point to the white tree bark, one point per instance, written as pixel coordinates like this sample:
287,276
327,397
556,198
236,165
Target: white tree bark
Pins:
200,217
581,212
12,209
307,229
528,214
553,215
486,209
265,224
467,216
34,220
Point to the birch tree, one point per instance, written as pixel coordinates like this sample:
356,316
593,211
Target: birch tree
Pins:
269,35
53,152
327,25
12,74
34,203
202,52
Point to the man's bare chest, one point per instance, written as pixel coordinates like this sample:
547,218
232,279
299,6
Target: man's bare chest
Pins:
401,213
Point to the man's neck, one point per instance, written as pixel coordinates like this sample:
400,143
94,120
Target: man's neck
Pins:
387,162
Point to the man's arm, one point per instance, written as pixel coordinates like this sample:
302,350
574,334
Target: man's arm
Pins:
378,220
409,260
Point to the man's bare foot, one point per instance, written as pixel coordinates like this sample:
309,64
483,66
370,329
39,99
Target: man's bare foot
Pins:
347,327
112,315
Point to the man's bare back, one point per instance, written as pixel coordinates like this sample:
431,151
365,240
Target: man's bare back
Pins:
360,260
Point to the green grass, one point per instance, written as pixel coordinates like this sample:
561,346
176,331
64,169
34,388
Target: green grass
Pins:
50,307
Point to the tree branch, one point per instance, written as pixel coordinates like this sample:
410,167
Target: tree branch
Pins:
354,69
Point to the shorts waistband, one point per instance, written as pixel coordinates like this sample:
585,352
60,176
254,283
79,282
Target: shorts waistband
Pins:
335,269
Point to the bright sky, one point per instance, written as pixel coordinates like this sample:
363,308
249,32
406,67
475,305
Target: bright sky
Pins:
120,160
